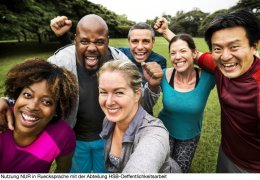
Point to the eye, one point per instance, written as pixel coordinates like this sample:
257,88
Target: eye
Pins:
183,51
119,93
47,102
134,41
84,42
27,95
234,47
99,43
172,53
217,49
102,93
146,41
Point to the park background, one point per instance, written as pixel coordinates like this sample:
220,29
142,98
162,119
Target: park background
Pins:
25,33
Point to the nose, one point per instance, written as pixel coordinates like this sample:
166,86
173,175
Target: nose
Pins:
226,55
140,45
110,100
178,55
91,47
33,105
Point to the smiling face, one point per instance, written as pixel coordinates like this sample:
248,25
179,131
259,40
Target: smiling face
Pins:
141,44
181,56
91,44
231,51
116,98
34,109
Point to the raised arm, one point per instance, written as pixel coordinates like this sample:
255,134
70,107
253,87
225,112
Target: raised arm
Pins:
61,25
151,91
161,26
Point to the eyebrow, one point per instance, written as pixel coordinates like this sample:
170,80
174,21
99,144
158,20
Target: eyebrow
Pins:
231,42
116,89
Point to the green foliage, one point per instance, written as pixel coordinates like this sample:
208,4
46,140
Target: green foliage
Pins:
187,22
22,19
205,22
252,5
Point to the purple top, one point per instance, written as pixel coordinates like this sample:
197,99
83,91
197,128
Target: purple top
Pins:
58,139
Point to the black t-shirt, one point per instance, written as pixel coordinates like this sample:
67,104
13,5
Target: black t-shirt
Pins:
90,115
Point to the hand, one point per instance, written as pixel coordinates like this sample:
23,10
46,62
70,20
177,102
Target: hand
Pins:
6,116
153,73
60,25
161,25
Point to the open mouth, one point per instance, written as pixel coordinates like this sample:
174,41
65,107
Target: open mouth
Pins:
230,66
113,110
140,55
28,120
180,64
91,60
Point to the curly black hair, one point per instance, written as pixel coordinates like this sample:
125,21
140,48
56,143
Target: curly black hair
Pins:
62,83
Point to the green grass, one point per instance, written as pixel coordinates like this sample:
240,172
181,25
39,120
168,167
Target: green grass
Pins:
206,154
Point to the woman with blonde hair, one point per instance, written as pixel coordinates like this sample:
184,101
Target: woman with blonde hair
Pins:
135,142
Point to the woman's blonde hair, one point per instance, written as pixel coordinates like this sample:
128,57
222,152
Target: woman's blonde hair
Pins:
129,69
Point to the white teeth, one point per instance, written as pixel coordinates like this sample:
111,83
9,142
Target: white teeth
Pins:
113,110
91,58
180,63
29,118
229,64
140,54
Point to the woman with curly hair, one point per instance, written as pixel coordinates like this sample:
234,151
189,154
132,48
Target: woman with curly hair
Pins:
44,94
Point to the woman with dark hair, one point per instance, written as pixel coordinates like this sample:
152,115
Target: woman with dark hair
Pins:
185,92
44,94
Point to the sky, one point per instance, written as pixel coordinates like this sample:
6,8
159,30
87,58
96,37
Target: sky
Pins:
141,10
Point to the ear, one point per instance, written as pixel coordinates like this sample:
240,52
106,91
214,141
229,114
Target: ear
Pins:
254,47
75,35
194,54
138,95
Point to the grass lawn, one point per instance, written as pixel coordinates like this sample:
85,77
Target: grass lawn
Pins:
206,154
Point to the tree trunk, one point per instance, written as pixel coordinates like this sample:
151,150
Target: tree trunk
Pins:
18,38
39,38
24,36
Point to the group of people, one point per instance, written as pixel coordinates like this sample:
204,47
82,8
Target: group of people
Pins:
107,96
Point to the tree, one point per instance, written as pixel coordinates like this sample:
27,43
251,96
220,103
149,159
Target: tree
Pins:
205,22
187,22
252,5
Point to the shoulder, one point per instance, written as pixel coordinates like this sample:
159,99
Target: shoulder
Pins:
64,53
60,130
207,73
256,73
70,48
152,122
65,56
117,54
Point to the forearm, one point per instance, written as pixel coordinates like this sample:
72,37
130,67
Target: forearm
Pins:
64,39
168,34
149,98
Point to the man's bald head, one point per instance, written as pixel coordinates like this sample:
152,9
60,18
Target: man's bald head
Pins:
92,20
91,40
